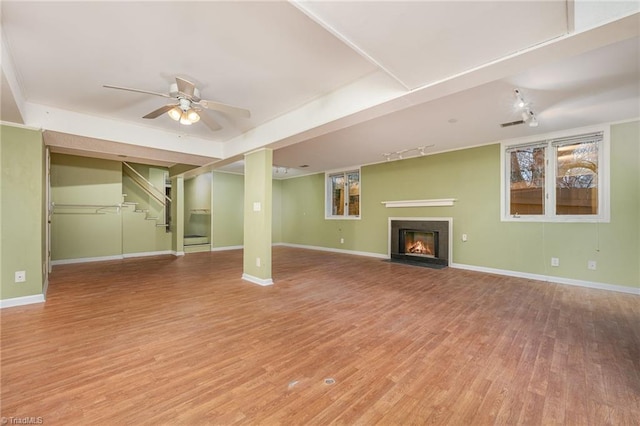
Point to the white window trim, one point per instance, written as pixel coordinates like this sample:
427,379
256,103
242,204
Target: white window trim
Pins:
604,169
327,194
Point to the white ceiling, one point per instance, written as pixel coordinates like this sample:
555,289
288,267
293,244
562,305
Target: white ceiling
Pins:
329,84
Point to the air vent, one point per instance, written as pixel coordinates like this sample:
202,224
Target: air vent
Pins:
512,123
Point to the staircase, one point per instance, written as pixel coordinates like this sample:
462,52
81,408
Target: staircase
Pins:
134,206
150,189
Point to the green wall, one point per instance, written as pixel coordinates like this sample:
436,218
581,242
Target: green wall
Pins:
276,224
228,202
472,176
22,211
85,232
197,205
78,233
258,190
177,214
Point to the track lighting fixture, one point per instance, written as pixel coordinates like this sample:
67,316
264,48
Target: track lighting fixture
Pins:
527,113
520,103
402,154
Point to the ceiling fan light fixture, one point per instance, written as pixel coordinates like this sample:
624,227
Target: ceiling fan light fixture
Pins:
175,113
184,119
193,116
533,122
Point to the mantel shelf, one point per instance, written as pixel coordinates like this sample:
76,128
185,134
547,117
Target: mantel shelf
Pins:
420,203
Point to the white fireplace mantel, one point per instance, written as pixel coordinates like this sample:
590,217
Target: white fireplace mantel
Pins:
420,203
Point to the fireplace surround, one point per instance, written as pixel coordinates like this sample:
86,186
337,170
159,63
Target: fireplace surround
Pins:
420,241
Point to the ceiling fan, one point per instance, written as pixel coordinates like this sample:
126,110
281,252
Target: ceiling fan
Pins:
188,107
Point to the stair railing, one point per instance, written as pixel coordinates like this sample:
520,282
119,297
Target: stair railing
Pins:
145,185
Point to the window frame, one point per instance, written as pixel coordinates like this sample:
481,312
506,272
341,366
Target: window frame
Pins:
328,198
549,215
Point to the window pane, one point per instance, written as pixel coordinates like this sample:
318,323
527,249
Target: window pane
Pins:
577,178
354,194
527,181
337,195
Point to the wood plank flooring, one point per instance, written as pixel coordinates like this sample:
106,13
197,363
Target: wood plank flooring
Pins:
168,340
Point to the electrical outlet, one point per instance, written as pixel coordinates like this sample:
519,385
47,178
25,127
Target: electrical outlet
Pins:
21,276
464,237
258,262
592,265
555,261
341,240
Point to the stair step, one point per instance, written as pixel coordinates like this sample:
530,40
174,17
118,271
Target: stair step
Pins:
151,218
195,240
141,211
197,248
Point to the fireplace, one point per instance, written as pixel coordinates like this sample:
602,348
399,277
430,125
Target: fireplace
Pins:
423,242
418,243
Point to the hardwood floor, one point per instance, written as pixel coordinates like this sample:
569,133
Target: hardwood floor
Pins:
170,340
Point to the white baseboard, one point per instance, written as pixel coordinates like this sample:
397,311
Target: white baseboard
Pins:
227,248
146,253
177,253
115,257
335,250
549,278
256,280
86,260
21,301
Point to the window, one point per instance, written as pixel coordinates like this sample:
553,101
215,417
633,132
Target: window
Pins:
343,195
560,178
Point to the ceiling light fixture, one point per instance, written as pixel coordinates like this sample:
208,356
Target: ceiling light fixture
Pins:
402,154
184,119
175,113
184,113
193,116
527,113
520,103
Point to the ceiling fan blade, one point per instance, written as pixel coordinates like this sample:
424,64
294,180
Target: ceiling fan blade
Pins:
157,113
208,120
185,87
164,95
231,110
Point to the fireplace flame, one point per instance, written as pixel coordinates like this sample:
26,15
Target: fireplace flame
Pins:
419,248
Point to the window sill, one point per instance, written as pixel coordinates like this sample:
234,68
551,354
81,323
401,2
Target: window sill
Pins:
342,217
557,219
